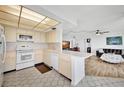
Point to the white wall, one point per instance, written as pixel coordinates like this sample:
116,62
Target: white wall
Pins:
80,39
97,41
100,41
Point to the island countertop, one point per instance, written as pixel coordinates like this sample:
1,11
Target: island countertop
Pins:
79,54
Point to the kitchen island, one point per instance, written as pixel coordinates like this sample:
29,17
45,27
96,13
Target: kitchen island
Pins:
77,65
71,64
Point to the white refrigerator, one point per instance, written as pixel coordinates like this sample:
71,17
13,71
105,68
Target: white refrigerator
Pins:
2,53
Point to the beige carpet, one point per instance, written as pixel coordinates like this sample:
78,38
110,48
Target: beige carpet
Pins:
95,66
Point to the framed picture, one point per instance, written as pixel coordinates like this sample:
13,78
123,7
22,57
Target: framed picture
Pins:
117,40
88,40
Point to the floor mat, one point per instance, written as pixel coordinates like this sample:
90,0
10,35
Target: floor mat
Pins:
43,68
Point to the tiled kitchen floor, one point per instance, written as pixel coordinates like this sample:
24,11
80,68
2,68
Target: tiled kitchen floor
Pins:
31,77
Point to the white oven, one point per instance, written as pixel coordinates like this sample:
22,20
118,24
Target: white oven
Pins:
24,56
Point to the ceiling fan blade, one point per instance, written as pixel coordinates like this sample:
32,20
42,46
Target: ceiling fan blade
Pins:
105,32
98,32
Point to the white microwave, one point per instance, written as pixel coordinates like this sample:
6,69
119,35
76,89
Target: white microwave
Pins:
22,37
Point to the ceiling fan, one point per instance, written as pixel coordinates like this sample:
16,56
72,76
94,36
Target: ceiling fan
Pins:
98,32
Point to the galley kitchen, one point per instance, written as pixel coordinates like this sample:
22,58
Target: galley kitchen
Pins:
61,46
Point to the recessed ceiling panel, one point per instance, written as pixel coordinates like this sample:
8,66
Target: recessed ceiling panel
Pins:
25,26
12,9
28,22
9,18
49,21
19,16
9,23
42,27
31,15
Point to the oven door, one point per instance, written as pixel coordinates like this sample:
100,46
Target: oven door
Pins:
24,57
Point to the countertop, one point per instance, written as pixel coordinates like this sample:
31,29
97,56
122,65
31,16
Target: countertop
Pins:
79,54
73,53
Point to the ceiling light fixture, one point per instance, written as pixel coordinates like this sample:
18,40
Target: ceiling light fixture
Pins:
21,17
11,9
31,15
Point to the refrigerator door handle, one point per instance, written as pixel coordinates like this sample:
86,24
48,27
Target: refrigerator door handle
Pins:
4,48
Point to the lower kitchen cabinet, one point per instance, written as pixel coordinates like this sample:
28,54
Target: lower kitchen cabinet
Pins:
46,58
38,55
54,58
65,65
10,61
10,34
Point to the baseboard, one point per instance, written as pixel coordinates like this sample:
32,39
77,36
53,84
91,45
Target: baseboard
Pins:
21,69
9,71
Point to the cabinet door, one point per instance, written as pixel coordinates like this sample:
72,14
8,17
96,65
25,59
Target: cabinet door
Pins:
10,34
65,65
47,36
10,60
43,36
38,54
54,60
51,36
47,58
37,37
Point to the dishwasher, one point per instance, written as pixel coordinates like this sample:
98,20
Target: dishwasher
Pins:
54,61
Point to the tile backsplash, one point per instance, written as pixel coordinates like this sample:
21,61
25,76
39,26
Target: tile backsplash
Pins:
11,46
54,46
40,45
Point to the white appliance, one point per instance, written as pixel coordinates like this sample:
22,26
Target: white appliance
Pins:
54,61
25,55
2,53
22,37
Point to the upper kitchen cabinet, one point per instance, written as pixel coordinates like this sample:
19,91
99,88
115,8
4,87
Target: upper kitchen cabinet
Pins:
51,36
39,37
43,37
10,34
55,35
